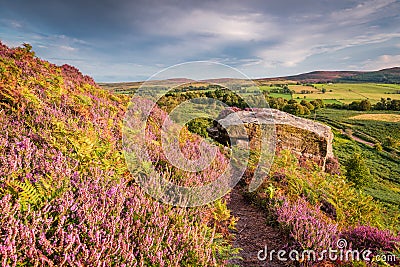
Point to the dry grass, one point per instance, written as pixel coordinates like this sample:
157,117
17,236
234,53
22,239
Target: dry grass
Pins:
378,117
298,88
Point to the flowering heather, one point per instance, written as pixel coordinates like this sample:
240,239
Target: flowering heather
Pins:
367,237
93,224
307,225
66,196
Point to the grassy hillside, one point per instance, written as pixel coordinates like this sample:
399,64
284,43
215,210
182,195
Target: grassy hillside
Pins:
349,92
384,165
391,75
68,199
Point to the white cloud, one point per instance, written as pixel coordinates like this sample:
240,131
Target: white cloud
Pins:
336,31
360,12
67,48
214,24
277,37
382,62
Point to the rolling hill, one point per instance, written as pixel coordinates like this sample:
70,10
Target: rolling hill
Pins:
390,75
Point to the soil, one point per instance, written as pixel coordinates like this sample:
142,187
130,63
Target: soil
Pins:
358,139
253,233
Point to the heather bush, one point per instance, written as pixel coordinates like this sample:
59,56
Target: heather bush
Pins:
113,225
307,225
367,237
314,207
66,195
337,197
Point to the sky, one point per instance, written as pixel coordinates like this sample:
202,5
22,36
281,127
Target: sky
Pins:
128,40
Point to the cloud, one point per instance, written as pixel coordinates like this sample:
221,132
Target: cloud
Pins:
382,62
212,24
340,29
274,37
361,12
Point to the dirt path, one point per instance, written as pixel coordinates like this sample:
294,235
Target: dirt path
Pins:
358,139
253,233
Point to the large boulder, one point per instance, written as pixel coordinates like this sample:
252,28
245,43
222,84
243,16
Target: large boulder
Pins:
305,138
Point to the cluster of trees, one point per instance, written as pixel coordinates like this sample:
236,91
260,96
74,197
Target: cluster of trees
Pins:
388,104
281,90
394,93
365,105
171,100
294,107
188,88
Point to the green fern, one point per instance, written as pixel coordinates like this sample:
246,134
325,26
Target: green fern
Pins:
26,193
33,194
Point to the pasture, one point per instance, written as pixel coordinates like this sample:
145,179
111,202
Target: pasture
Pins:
372,126
349,92
377,117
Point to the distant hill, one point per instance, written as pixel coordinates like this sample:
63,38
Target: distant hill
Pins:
321,76
391,75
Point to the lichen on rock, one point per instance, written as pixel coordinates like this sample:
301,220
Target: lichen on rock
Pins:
305,138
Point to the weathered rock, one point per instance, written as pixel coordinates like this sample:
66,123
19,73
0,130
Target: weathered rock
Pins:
305,138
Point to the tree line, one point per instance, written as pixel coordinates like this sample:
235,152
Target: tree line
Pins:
169,101
365,105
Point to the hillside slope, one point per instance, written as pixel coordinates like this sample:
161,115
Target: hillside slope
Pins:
66,196
391,75
321,76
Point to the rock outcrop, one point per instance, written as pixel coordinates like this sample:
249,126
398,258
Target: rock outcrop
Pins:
305,138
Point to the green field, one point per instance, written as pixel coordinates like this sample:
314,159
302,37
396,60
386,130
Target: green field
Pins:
377,130
335,93
384,165
349,92
284,96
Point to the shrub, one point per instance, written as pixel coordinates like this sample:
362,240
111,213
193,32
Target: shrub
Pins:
66,196
367,237
307,224
332,166
378,147
357,170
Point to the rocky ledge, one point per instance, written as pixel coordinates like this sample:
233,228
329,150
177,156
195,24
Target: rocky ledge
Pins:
305,138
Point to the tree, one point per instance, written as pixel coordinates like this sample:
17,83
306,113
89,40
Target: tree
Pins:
317,103
307,105
355,105
323,90
381,105
365,105
296,109
394,105
357,170
277,103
